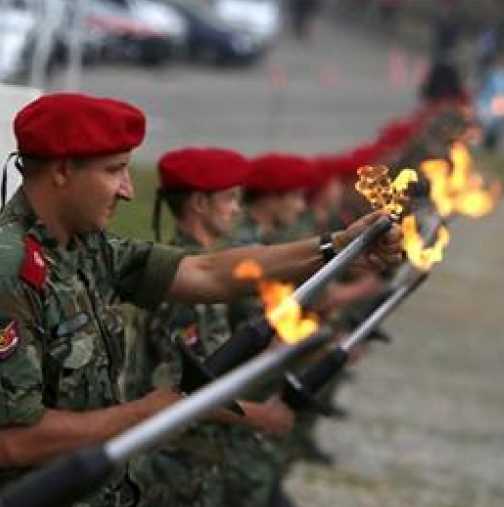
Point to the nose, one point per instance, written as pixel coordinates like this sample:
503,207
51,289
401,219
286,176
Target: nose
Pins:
236,208
126,190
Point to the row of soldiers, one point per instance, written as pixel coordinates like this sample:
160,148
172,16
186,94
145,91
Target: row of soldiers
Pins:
217,199
271,198
68,377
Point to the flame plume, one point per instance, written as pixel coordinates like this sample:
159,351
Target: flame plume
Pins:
420,256
377,187
283,312
458,188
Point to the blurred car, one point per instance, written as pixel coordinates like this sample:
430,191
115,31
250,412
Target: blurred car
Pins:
211,39
261,18
17,24
20,24
143,30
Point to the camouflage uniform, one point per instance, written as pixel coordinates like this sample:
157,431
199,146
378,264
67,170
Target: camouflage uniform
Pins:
209,465
70,346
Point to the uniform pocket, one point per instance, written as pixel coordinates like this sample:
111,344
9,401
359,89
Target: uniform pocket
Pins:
71,359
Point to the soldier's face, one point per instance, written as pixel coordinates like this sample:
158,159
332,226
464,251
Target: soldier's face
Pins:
290,206
223,210
330,194
93,189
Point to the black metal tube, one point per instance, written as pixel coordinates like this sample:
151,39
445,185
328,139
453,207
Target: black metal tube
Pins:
257,334
299,391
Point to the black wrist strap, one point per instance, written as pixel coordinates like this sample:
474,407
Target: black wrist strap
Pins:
326,247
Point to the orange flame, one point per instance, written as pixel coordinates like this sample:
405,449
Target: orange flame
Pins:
460,189
282,311
377,187
420,256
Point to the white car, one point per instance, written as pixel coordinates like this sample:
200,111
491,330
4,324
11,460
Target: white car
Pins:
162,18
260,18
143,29
17,27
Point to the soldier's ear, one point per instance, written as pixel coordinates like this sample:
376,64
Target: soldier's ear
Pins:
60,171
199,202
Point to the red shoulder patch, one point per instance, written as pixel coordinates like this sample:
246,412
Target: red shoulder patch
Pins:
9,340
34,267
190,335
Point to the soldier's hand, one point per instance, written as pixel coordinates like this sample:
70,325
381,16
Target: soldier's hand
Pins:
386,252
338,295
279,418
272,417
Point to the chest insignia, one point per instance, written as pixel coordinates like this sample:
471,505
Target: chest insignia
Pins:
190,335
34,267
9,340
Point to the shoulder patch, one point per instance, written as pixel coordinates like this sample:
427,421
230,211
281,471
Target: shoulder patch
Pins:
34,267
9,340
190,335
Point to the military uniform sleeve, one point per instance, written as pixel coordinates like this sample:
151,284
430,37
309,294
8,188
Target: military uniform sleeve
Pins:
20,357
142,271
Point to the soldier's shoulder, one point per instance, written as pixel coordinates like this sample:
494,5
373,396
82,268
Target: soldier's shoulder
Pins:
11,248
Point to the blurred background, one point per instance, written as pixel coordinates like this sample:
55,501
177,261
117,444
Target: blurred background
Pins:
318,76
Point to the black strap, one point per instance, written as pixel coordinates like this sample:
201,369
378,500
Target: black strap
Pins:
326,247
156,214
3,191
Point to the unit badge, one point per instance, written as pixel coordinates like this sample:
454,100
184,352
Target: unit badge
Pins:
9,340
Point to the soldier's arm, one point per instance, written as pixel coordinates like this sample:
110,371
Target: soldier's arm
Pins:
60,431
209,277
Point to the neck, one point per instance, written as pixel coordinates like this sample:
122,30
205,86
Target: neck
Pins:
193,227
46,212
263,219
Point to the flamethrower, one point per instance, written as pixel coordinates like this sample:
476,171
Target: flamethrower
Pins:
257,335
300,391
70,478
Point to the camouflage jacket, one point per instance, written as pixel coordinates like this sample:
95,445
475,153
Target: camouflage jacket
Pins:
209,465
61,335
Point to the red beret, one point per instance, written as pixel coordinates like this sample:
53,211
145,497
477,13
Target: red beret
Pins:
202,169
368,154
275,172
337,166
75,125
398,133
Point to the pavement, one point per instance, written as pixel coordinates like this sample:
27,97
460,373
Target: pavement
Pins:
427,411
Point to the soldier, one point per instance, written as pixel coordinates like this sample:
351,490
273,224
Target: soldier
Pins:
201,187
276,191
62,275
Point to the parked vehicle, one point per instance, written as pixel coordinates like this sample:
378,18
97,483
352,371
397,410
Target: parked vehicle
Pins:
261,18
142,30
212,40
20,24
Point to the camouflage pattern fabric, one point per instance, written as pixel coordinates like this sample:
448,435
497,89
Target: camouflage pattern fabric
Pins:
71,345
209,464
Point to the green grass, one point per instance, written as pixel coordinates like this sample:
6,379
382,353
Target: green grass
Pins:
133,219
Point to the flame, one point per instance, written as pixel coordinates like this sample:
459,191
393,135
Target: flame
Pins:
420,256
458,188
248,270
377,187
282,311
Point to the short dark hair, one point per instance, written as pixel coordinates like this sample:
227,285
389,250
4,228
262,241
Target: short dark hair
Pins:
27,164
175,200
